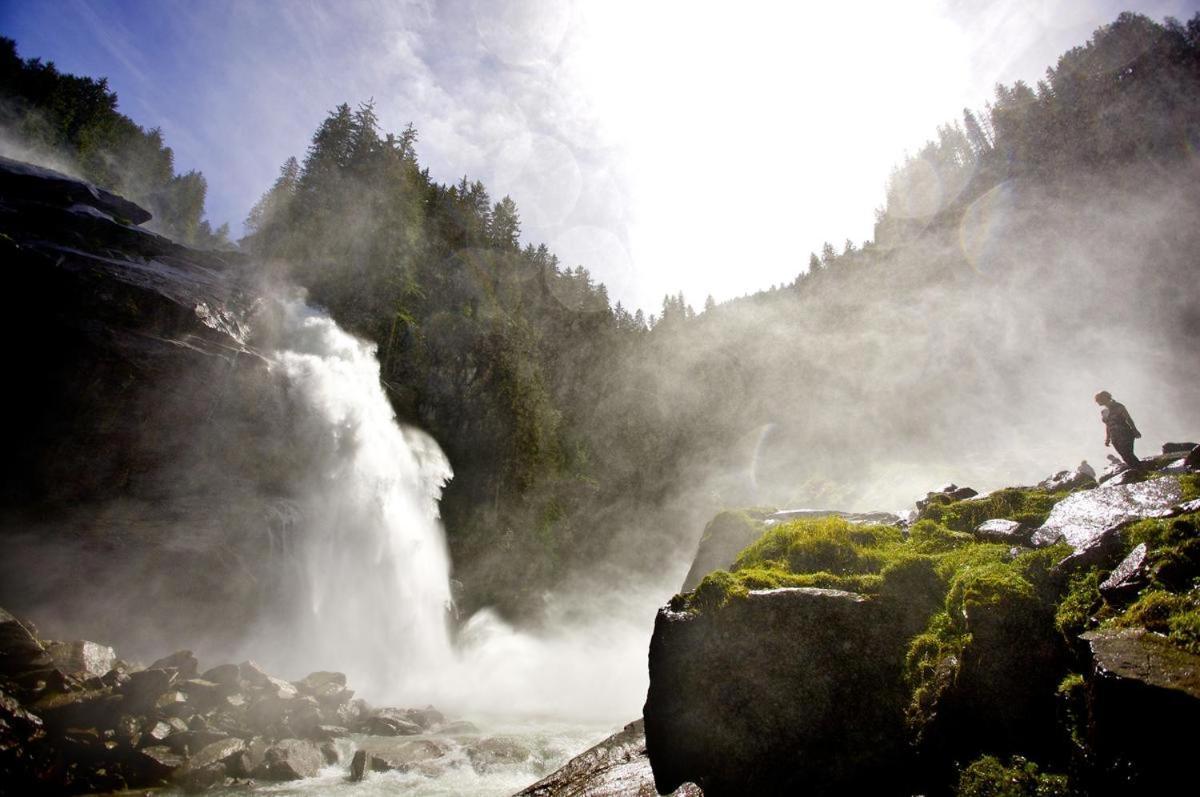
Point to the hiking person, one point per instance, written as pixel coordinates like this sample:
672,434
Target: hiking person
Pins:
1119,429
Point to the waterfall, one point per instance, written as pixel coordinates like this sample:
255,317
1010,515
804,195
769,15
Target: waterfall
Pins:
370,565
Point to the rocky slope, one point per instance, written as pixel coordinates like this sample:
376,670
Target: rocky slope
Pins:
1015,638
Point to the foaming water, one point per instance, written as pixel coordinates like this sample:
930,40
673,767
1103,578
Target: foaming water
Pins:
369,586
371,570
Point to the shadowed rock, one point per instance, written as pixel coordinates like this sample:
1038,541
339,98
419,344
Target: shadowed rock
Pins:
1128,577
82,657
736,694
615,767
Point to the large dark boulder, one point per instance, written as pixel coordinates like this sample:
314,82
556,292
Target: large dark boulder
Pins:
786,691
723,539
1143,702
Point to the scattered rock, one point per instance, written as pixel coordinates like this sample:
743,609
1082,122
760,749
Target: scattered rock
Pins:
144,687
405,755
253,674
1143,696
82,657
290,759
159,761
358,765
182,661
208,767
20,650
1009,532
390,722
1082,476
224,674
1083,516
1128,578
1102,550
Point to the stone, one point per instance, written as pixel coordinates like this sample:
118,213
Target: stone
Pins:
182,661
290,759
1143,697
20,649
458,727
1083,516
82,657
329,751
796,690
36,183
280,688
615,767
1081,477
1192,460
1102,550
209,766
313,682
1008,532
1128,578
408,755
722,540
190,741
159,761
1178,448
81,708
156,732
426,717
223,674
252,757
145,686
267,711
358,765
202,693
390,722
173,703
253,674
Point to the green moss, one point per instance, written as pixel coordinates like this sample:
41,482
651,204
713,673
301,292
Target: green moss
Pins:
913,580
716,590
1081,601
988,588
830,545
1034,566
1177,616
1029,505
930,667
989,777
975,554
1190,483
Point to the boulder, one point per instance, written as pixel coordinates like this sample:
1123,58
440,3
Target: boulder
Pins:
38,184
190,741
1081,517
1102,550
787,690
406,755
615,767
182,661
1008,532
144,687
723,538
1178,448
82,657
253,674
20,649
279,688
390,722
426,717
1128,578
498,751
312,683
290,759
224,674
203,694
1192,460
358,765
157,762
1082,476
1143,699
210,765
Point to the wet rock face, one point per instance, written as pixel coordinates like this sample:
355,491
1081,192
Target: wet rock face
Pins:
1143,706
1127,578
735,694
1081,517
616,767
1009,532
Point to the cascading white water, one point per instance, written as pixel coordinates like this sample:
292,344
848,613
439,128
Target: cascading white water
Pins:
367,589
371,557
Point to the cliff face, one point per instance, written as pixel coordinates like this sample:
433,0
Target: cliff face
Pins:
131,361
949,658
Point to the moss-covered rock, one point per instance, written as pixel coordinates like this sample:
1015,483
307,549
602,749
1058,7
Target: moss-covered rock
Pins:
989,777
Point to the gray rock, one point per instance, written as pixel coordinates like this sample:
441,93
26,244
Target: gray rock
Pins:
358,765
1178,448
1128,578
1143,695
785,691
498,751
223,674
1102,550
210,765
390,722
82,657
20,649
182,661
615,767
722,540
27,181
1079,478
1081,517
144,687
253,674
290,759
159,761
405,755
1009,532
312,683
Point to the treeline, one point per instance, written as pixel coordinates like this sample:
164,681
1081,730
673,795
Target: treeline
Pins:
580,432
74,120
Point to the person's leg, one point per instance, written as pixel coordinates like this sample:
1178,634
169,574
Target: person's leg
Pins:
1124,446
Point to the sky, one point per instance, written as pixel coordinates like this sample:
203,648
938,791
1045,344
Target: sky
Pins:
666,146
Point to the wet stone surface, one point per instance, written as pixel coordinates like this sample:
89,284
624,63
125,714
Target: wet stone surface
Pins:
1081,517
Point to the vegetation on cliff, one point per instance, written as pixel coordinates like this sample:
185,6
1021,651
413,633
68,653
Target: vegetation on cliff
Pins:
73,122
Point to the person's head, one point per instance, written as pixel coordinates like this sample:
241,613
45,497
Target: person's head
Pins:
1103,397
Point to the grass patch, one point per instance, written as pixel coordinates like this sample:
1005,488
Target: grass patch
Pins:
1028,505
989,777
